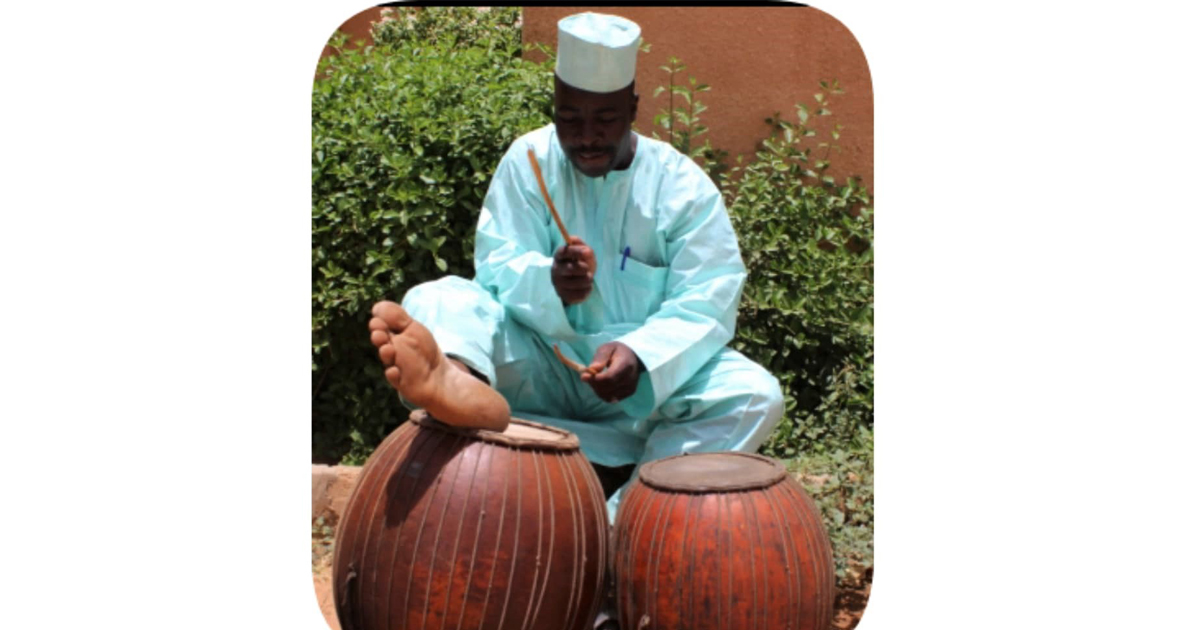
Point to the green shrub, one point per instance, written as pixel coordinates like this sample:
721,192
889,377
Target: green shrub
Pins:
680,120
406,135
457,27
807,310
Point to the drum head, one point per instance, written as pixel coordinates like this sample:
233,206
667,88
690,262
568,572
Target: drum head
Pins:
712,472
519,434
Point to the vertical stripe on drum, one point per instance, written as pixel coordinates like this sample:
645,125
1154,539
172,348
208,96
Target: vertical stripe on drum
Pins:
348,545
499,534
435,548
516,539
576,536
472,452
655,561
415,465
487,479
542,557
820,597
599,558
438,469
791,556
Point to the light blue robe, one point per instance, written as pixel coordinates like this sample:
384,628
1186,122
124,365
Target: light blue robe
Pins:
673,300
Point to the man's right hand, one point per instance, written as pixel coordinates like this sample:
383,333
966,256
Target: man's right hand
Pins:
572,271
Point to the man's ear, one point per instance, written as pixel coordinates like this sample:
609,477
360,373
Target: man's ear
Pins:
633,107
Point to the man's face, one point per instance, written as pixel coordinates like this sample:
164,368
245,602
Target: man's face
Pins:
593,128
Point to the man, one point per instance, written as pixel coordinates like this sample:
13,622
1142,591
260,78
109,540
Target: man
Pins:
645,291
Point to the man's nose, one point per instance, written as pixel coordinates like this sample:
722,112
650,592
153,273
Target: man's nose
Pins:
590,131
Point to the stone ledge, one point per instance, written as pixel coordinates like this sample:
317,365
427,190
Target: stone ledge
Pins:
331,488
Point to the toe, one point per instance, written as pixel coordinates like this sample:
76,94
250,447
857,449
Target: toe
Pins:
392,375
387,352
380,338
392,314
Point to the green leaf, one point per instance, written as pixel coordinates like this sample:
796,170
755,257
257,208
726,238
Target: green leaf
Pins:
802,111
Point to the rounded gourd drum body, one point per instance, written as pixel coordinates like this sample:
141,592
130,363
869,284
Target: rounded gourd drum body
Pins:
454,528
721,541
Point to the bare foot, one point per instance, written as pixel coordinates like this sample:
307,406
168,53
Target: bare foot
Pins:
415,366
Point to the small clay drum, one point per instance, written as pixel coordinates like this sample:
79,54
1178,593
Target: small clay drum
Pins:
724,541
465,528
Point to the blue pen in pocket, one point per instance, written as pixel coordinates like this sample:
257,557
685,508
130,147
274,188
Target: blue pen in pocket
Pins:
624,258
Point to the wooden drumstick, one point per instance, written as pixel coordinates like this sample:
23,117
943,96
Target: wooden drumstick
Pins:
546,195
553,212
573,365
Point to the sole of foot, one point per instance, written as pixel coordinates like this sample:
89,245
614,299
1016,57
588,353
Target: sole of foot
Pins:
415,366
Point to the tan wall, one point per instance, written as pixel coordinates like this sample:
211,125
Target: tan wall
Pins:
758,60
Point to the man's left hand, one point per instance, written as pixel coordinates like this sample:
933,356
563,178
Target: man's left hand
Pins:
619,377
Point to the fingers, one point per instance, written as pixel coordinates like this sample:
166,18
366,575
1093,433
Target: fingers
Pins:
576,257
619,377
577,245
587,257
576,250
600,360
575,283
573,270
614,375
573,287
571,267
612,386
574,296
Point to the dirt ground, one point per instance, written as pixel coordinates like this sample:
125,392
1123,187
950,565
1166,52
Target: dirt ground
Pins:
321,582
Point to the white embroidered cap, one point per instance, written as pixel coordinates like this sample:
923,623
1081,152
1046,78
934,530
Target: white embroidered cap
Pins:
597,52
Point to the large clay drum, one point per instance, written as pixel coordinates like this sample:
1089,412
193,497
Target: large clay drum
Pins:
721,541
455,529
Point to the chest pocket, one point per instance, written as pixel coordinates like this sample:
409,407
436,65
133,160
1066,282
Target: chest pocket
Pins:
639,288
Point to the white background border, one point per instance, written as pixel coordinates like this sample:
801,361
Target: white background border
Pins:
1036,324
